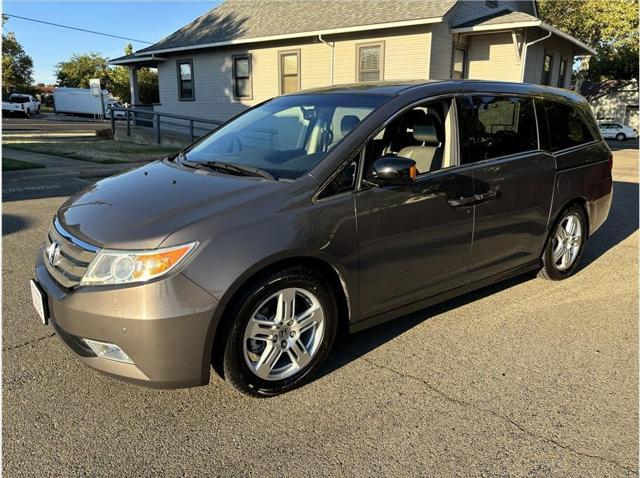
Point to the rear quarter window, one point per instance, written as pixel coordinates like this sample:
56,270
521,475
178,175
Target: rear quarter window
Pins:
567,126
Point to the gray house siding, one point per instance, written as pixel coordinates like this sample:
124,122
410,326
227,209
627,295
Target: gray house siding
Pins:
407,55
535,60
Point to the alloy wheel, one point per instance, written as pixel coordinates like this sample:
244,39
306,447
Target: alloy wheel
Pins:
567,242
284,334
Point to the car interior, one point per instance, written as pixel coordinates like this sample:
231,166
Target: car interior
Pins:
423,134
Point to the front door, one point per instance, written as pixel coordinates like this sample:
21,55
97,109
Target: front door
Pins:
415,240
513,181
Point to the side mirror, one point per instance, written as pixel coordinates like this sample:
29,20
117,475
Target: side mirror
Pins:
392,171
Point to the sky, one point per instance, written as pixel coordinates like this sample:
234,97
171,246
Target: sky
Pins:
142,20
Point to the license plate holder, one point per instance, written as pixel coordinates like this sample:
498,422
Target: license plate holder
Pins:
39,301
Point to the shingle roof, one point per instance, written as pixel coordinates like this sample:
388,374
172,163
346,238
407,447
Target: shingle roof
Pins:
499,18
246,19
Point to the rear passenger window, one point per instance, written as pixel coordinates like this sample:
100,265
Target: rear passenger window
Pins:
567,127
494,126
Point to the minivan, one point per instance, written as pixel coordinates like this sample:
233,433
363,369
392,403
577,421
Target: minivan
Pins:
318,213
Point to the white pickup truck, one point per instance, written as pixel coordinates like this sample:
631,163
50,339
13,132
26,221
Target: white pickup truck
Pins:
22,104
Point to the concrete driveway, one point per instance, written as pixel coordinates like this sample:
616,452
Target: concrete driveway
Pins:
525,378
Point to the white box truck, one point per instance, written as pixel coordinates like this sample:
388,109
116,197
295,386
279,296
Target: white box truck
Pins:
80,101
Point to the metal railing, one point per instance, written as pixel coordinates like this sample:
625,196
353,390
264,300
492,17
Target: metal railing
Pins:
150,118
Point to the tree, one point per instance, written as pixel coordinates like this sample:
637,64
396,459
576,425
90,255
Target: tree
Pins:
77,71
609,26
17,66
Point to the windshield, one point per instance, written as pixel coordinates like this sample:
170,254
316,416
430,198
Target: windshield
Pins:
19,99
287,136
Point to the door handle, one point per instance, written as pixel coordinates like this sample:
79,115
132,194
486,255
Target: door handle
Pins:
463,201
467,201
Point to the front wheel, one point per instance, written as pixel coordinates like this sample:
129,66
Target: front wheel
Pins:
565,245
283,330
621,137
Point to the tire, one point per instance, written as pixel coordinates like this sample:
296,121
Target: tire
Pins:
308,344
27,114
564,262
621,137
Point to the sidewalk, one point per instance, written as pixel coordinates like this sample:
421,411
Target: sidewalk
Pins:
60,176
59,163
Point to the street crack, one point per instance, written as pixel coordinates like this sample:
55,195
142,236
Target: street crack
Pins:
488,411
30,342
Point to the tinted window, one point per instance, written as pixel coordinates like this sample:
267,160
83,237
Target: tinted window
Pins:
343,182
567,127
493,126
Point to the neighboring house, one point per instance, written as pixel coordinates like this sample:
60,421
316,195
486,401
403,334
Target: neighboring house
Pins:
614,101
244,52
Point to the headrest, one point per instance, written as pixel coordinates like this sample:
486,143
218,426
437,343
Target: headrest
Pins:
347,123
424,130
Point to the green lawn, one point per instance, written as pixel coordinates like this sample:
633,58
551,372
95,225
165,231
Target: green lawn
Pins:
17,165
91,149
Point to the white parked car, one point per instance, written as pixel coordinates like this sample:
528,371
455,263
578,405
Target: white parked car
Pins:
22,104
611,130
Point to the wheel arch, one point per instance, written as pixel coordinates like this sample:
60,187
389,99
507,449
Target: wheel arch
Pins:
222,322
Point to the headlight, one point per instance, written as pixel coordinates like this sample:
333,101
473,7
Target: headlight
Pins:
124,267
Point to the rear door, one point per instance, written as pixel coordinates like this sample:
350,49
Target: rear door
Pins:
512,177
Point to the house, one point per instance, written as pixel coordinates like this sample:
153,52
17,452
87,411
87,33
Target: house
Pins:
244,51
614,101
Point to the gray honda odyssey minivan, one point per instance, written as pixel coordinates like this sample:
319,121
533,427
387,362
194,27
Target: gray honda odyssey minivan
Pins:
314,213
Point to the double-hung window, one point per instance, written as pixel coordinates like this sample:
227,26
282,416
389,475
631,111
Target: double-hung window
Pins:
370,62
289,71
242,87
185,80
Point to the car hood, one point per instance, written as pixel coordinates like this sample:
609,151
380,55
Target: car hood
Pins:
140,208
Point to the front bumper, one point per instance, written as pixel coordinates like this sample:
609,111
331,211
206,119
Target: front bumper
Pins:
166,327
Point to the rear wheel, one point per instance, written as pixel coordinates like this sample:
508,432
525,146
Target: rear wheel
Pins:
621,137
283,329
565,245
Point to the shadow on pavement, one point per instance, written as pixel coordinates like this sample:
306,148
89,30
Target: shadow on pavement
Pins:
13,223
621,223
620,145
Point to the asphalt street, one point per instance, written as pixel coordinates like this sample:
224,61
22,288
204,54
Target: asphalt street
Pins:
525,378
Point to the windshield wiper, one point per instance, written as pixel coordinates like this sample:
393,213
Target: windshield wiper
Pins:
227,167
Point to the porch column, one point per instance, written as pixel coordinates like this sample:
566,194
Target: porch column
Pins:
133,85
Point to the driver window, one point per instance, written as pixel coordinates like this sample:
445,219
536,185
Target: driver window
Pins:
423,134
495,126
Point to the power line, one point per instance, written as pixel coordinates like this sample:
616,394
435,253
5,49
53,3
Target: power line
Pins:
78,29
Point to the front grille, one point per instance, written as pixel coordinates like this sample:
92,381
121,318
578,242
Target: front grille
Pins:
70,263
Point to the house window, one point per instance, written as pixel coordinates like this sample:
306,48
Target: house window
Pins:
459,59
185,80
289,72
370,62
546,69
491,4
563,72
242,88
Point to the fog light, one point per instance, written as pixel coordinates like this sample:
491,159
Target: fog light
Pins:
108,351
